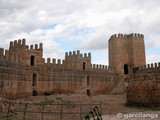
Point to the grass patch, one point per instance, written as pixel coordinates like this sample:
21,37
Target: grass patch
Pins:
46,102
10,117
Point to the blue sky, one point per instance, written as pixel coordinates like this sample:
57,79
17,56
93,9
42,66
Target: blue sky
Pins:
86,25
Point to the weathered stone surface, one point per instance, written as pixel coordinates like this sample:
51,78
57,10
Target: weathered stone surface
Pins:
24,72
126,50
144,88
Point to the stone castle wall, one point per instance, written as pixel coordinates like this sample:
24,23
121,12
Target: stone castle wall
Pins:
144,86
24,72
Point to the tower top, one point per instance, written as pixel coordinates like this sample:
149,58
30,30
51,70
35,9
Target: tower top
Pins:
126,52
21,44
120,35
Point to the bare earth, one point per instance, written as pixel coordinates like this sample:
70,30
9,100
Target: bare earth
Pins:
113,106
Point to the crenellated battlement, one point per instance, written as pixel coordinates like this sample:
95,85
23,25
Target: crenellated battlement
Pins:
101,67
77,53
136,35
16,43
36,47
21,44
142,77
53,61
1,51
146,67
120,35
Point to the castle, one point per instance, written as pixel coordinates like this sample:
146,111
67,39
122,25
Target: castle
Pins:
24,72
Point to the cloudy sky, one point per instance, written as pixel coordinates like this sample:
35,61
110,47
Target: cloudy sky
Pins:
68,25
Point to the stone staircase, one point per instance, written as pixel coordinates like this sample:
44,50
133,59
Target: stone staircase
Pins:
119,85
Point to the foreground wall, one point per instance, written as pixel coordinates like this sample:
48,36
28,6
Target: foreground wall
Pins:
76,81
13,80
22,81
144,86
23,72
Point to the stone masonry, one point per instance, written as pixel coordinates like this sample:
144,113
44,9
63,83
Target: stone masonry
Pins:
24,72
144,86
126,52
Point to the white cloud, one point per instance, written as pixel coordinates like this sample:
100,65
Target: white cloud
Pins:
153,58
25,19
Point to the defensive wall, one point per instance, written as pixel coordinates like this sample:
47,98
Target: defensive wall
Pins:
144,86
24,72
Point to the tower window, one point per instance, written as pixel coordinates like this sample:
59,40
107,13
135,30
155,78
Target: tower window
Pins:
1,83
34,93
84,65
88,81
34,80
32,60
88,92
125,69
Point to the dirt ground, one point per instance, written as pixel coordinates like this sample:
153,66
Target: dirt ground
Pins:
113,106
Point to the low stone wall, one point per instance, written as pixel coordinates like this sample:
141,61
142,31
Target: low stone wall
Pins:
144,89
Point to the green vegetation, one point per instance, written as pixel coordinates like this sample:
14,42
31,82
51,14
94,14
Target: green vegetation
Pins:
10,117
46,102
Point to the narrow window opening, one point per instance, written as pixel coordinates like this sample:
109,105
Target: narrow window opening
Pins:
34,80
84,65
88,92
88,81
32,60
1,83
34,93
125,69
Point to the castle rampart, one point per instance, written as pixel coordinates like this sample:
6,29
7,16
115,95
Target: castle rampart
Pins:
120,35
99,67
1,53
75,54
147,67
24,71
21,44
144,86
27,73
54,62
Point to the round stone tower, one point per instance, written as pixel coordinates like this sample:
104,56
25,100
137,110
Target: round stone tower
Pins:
126,52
